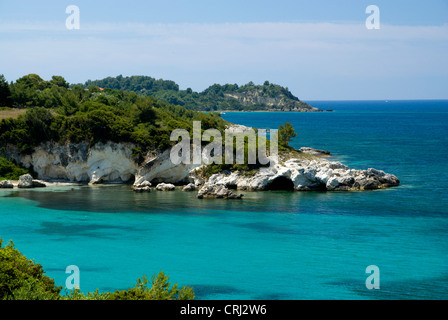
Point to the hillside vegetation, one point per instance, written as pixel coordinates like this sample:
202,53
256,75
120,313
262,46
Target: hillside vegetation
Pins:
54,111
249,97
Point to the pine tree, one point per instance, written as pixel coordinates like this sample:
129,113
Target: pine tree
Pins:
286,133
5,93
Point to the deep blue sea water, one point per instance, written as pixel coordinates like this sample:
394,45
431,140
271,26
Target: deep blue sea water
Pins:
269,245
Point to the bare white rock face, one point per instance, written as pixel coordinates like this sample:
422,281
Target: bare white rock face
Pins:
160,168
104,162
100,163
306,175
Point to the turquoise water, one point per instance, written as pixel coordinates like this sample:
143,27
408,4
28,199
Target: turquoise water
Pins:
269,245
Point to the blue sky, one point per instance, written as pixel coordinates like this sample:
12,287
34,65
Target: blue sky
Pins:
318,49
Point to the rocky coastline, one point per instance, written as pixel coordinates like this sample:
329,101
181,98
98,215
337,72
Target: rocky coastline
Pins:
306,175
306,169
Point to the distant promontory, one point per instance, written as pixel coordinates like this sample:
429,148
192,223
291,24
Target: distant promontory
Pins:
228,97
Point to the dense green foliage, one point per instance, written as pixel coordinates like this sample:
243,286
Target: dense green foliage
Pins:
135,83
214,98
23,279
58,113
10,171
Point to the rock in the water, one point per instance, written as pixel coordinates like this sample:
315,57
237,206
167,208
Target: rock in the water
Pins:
25,181
315,152
217,191
143,184
6,184
38,184
189,187
165,187
142,189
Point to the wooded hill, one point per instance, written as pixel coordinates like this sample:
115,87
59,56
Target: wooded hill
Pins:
249,97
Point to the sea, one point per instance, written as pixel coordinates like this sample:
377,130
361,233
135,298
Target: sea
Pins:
273,245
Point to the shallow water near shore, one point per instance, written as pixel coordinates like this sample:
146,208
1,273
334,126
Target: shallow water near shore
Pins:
268,245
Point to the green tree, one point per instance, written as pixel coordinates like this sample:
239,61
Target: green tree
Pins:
69,103
59,81
32,81
39,122
145,110
5,93
285,134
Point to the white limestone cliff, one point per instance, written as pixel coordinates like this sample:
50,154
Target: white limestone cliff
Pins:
113,163
104,162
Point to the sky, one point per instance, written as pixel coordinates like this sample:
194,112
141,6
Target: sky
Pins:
320,50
